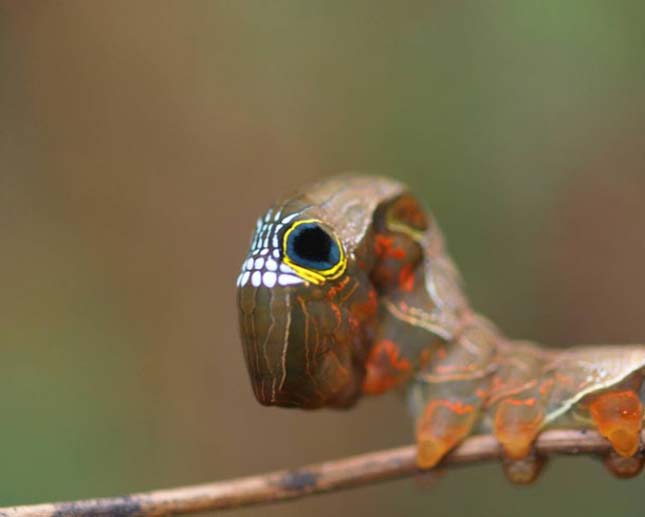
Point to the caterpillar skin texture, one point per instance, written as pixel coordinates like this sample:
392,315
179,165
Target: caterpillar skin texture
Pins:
347,290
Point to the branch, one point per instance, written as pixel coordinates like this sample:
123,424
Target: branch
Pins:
281,485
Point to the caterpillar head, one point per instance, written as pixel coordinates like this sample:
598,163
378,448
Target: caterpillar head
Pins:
303,305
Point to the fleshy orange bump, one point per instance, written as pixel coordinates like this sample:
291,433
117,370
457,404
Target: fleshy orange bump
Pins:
443,425
517,423
618,417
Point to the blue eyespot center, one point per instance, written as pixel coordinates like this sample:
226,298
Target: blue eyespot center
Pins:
309,246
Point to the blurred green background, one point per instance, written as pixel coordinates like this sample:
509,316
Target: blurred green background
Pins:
140,140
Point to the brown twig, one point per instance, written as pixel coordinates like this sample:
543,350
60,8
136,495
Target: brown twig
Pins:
280,485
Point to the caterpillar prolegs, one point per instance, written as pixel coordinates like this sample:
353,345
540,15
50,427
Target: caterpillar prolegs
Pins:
347,290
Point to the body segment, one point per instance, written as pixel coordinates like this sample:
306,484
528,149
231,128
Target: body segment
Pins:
348,291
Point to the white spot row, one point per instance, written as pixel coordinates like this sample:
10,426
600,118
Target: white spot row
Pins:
263,266
267,279
267,272
276,218
290,218
267,230
259,263
261,237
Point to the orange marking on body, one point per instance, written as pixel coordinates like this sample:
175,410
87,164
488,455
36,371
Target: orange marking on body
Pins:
346,296
337,313
384,247
618,416
443,425
397,253
517,423
376,383
382,243
457,406
368,308
384,368
406,278
480,393
565,381
530,402
334,290
546,386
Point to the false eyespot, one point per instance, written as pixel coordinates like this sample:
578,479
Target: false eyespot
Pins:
313,251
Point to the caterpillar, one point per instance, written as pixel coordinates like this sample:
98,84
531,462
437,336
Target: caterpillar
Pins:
347,290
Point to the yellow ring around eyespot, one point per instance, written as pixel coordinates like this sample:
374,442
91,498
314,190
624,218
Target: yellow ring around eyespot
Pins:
314,276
